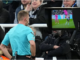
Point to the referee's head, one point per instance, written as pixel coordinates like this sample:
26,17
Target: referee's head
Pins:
23,17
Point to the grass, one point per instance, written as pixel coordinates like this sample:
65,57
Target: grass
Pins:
62,23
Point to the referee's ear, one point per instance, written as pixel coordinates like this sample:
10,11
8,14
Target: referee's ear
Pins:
24,18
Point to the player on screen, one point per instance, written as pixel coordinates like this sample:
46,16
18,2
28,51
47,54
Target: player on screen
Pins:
67,16
65,12
56,18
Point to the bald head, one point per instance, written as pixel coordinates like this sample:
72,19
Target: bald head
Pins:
68,3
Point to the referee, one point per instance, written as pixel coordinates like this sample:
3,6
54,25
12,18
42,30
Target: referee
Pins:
21,38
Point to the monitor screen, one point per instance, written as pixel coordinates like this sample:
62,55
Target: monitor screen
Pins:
62,19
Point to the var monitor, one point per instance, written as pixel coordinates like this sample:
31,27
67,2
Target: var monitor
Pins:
63,18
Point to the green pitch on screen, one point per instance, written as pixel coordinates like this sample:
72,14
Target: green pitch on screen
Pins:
62,23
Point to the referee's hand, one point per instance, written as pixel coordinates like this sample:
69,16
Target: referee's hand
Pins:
28,56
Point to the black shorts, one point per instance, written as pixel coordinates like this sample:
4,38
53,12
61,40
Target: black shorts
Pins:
68,19
18,57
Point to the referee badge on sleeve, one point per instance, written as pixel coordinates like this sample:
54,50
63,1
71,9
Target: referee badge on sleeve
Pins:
33,38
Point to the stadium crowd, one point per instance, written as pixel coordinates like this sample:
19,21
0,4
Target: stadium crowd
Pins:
45,44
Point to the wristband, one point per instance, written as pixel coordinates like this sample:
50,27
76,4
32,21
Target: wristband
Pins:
33,57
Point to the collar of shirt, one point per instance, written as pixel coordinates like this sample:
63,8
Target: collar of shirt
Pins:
22,8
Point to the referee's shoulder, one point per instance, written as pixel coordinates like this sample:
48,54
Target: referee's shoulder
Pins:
28,28
12,28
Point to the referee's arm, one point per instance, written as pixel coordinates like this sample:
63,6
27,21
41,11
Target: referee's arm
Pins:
3,47
31,39
5,51
32,48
